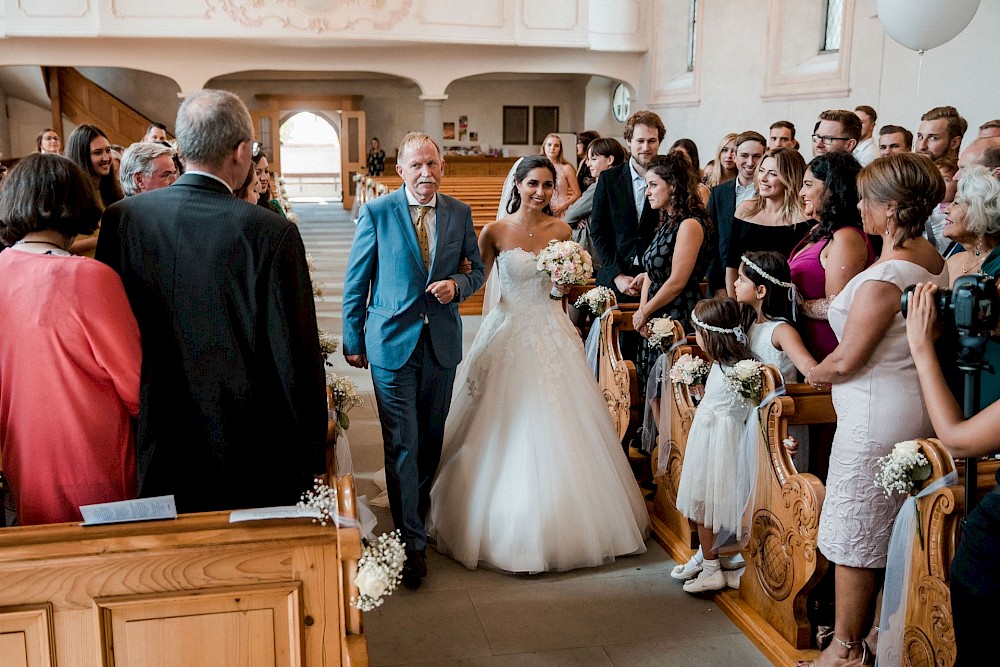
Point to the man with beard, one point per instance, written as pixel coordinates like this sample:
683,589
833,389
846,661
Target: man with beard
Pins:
622,224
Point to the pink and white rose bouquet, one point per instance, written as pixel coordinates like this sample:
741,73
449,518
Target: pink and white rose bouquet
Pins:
567,263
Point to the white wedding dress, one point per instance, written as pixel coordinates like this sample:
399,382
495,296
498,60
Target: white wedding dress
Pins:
532,476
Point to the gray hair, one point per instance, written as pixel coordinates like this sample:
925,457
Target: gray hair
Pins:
138,159
981,191
210,124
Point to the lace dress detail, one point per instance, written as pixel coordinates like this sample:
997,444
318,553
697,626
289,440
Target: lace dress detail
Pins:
878,407
761,345
532,475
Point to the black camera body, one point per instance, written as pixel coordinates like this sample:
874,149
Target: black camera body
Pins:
971,307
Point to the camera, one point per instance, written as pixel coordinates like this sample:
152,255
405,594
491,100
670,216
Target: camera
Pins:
971,307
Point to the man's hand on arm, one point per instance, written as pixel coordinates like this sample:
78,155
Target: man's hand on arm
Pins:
624,284
443,290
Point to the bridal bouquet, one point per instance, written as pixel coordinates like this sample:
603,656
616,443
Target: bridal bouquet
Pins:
746,379
688,370
661,332
567,263
596,300
345,397
900,471
379,571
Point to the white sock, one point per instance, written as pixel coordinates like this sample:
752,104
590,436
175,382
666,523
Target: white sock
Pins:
698,556
712,566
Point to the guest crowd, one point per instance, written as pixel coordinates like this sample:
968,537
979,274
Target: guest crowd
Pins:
185,360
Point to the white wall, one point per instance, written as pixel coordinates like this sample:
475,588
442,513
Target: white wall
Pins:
26,120
734,70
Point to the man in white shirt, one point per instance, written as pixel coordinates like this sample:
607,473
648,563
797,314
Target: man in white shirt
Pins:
866,151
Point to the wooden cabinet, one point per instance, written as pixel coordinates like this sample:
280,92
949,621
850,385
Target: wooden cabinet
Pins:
196,591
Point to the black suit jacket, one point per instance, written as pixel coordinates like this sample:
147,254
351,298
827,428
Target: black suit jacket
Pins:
721,210
619,235
232,406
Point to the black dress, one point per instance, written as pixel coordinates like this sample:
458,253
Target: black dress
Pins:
376,162
749,237
658,261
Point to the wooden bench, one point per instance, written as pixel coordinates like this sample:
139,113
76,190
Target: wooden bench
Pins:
783,561
617,375
677,534
197,590
928,629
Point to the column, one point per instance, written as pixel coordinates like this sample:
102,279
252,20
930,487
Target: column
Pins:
5,146
433,120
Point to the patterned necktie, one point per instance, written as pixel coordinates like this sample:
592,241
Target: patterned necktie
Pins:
422,241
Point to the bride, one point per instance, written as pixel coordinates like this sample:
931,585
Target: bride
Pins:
532,476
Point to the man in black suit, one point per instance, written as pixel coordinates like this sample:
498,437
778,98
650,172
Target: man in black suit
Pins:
622,224
750,147
232,406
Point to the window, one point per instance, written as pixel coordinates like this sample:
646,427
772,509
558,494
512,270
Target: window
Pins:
834,21
692,35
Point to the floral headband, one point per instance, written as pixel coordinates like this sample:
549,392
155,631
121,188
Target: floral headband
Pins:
737,331
793,292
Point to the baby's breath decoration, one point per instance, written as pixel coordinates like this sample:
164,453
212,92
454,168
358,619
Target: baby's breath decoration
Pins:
379,570
345,397
661,332
745,379
899,472
321,498
596,300
328,344
318,285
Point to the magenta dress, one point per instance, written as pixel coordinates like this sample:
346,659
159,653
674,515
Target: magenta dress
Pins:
809,277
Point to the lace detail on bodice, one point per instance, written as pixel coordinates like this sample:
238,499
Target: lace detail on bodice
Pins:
522,286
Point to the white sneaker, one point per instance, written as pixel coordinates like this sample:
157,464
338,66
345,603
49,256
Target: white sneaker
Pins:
734,562
690,569
706,581
733,577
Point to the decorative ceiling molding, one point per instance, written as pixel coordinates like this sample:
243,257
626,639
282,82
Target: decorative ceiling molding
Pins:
318,16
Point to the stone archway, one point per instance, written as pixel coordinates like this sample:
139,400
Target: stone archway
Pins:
311,156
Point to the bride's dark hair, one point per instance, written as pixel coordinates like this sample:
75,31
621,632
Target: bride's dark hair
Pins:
527,164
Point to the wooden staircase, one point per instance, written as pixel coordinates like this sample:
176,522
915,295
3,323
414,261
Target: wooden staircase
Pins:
84,102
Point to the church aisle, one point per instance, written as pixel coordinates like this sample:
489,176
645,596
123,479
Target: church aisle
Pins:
628,613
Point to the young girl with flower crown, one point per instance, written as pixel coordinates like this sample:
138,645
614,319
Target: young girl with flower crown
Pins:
707,490
764,282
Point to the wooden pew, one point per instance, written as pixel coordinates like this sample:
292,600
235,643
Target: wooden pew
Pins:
617,375
193,591
928,631
673,530
783,562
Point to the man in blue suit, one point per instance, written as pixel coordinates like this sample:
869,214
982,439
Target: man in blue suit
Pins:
400,313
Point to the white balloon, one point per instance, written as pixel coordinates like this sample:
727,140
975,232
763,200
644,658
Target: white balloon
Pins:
921,25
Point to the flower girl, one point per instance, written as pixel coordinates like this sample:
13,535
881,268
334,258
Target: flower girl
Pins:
707,490
764,282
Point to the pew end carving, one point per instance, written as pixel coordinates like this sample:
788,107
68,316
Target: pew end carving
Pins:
677,534
617,375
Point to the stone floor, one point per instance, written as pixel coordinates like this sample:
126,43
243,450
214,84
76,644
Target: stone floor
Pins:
629,613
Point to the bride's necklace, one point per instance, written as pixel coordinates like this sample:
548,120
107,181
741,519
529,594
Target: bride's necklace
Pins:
530,230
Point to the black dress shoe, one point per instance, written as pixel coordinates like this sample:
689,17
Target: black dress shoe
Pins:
414,569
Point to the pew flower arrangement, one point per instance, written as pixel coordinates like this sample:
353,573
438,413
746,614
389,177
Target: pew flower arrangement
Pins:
689,370
596,300
323,499
328,344
345,397
745,379
357,177
318,285
380,570
661,332
901,470
566,262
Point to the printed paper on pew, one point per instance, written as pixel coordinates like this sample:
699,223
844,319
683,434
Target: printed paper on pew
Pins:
263,513
126,511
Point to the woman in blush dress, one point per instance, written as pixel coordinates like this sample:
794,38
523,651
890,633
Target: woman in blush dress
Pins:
69,351
532,476
773,218
567,189
876,392
836,248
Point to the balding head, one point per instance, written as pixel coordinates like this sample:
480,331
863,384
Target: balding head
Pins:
984,152
214,132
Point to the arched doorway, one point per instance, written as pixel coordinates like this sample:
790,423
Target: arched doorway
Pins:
310,156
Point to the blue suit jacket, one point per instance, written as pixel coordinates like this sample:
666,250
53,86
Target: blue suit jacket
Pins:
385,298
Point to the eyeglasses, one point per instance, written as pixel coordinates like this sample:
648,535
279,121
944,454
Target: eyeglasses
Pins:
827,140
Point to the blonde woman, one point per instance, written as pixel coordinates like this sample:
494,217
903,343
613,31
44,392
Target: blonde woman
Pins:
567,188
773,219
724,165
